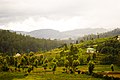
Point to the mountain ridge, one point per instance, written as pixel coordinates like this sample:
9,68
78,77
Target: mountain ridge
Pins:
55,34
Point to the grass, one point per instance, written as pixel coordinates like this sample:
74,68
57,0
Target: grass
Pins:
39,74
99,68
47,76
11,76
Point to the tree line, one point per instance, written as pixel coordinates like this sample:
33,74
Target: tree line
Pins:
111,49
112,33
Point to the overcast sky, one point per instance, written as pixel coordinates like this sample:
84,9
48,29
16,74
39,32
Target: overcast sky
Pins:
62,15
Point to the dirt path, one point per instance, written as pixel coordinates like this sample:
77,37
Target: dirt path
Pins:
114,74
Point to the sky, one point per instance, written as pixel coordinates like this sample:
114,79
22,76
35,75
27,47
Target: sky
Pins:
62,15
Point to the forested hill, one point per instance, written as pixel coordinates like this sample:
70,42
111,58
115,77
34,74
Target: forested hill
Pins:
11,43
112,33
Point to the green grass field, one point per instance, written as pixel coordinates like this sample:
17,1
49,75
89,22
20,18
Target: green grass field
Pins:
43,76
39,74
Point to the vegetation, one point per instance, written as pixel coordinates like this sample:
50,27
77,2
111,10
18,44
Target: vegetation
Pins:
11,43
70,61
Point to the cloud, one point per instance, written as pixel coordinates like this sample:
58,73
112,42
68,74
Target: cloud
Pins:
58,14
62,24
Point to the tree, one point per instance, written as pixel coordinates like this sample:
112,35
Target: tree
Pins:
93,56
36,63
11,43
75,64
45,66
66,64
77,42
81,61
65,47
23,62
54,66
112,67
60,62
91,67
15,63
5,66
88,58
72,57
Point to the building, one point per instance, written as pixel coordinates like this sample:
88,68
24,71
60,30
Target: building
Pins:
17,55
90,50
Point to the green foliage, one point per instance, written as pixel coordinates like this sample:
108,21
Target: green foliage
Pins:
15,62
46,61
5,66
31,54
91,67
88,58
53,66
1,60
47,76
50,59
81,60
112,33
65,47
93,56
112,67
111,46
109,59
45,66
31,60
75,63
60,62
29,69
66,63
36,63
11,43
11,60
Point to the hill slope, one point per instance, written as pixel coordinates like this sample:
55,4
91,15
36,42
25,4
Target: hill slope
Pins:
10,43
112,33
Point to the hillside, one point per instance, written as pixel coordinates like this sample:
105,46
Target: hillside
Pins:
107,51
11,43
66,62
112,33
54,34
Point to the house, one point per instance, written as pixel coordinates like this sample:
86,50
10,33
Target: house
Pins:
118,38
90,50
17,55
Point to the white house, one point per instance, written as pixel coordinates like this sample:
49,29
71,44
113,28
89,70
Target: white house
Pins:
118,38
90,50
17,55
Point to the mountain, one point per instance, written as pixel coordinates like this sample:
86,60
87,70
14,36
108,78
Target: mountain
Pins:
54,34
46,33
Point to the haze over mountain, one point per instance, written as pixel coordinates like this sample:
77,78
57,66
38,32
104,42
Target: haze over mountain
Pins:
55,34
